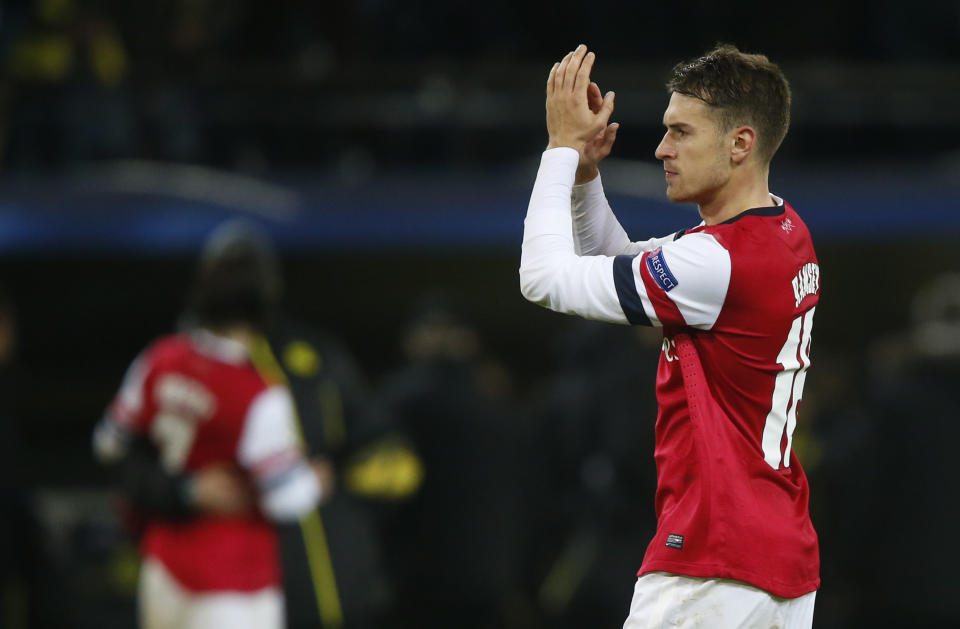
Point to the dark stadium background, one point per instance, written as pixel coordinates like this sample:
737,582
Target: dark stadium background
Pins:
388,148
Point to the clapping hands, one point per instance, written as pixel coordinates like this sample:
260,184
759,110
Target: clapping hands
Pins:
577,114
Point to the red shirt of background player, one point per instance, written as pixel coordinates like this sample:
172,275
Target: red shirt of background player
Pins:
196,399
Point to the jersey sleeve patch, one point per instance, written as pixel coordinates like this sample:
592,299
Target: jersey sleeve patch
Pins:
660,271
686,280
666,310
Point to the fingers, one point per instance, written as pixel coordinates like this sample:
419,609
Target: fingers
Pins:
570,68
577,112
601,145
582,77
573,67
551,78
606,109
610,135
594,97
562,71
573,72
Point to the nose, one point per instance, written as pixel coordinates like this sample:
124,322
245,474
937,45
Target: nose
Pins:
665,150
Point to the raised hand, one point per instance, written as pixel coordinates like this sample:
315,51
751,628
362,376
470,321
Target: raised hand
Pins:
576,114
600,145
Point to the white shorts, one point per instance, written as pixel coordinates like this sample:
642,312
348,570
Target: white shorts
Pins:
165,604
666,600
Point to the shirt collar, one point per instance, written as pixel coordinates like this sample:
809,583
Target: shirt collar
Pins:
219,347
775,210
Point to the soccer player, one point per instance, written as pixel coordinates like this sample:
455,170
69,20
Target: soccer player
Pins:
735,297
198,399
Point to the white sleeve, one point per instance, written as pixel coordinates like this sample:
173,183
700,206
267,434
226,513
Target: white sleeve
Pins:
596,230
270,449
681,282
551,273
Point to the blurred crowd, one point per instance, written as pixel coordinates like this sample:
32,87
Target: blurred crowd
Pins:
253,85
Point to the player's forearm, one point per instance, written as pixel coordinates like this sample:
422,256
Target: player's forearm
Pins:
596,231
547,236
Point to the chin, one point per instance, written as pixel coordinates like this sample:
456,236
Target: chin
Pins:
675,195
679,195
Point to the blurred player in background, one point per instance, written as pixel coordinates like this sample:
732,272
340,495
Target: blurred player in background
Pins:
735,297
198,400
332,572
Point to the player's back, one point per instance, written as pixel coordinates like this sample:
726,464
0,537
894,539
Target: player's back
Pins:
197,393
761,338
202,387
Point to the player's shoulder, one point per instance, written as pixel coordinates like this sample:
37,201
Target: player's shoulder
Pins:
704,247
166,349
794,233
206,356
792,219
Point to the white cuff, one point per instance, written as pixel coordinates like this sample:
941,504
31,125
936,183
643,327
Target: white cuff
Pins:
294,496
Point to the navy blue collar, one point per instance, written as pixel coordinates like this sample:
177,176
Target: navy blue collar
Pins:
775,210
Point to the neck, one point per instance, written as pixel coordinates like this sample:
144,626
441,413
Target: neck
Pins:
737,196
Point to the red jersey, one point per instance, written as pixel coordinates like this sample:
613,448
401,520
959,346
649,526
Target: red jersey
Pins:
732,497
736,302
201,401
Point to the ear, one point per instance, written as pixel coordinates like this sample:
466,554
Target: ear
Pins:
743,139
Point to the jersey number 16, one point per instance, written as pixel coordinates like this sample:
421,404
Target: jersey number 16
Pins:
794,357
